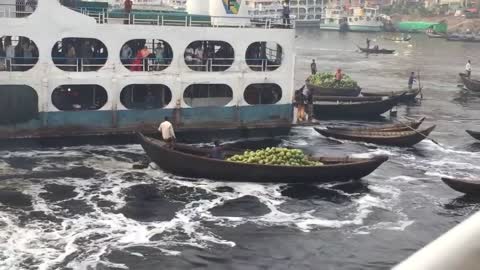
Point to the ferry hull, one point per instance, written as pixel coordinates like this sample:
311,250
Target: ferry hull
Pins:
246,120
307,23
364,28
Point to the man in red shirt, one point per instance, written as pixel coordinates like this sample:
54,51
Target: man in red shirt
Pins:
128,8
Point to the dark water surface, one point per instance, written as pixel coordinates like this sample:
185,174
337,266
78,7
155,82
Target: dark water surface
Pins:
85,208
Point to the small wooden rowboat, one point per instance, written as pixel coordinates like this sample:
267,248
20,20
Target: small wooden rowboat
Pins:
470,84
190,162
395,138
435,35
467,186
474,134
324,91
376,51
408,95
382,128
353,108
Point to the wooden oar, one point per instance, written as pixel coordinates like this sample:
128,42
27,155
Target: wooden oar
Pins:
420,85
416,131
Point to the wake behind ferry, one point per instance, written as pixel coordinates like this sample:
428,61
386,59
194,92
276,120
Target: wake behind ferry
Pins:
94,71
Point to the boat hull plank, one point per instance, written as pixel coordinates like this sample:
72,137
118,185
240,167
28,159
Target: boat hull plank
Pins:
467,186
395,138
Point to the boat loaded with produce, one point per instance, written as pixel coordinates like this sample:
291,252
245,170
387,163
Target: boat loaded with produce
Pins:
325,84
267,165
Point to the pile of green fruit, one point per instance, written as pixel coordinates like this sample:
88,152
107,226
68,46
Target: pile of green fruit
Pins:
275,156
327,80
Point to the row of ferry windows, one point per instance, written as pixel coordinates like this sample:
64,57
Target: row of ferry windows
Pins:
20,103
87,54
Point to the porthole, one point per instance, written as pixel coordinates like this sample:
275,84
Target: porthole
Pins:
79,54
145,96
17,53
146,55
208,95
85,97
18,104
264,56
209,55
263,93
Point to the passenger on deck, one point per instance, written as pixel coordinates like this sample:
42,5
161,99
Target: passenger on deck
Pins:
411,80
313,67
126,55
28,50
9,53
149,100
128,9
166,129
338,75
71,58
286,13
217,151
160,56
468,68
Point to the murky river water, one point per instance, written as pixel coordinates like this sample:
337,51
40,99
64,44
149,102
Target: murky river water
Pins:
85,208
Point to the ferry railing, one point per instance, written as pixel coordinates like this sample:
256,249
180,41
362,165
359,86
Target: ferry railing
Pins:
146,64
187,21
79,64
263,65
210,64
17,63
16,11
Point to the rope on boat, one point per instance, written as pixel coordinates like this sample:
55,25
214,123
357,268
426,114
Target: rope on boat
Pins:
416,131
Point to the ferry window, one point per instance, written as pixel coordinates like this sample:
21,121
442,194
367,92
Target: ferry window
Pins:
146,55
145,96
79,54
262,93
264,56
17,53
79,97
208,95
17,9
18,104
209,55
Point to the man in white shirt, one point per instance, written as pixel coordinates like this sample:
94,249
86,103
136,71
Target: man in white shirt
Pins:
166,129
468,68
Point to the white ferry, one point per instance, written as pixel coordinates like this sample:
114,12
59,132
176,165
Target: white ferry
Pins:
334,19
307,13
364,19
94,70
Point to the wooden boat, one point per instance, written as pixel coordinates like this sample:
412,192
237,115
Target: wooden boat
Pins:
435,35
190,162
399,39
322,91
474,134
353,109
467,186
382,128
376,51
395,138
346,99
470,84
409,95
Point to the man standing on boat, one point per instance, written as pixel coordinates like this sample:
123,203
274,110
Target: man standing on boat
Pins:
411,80
313,67
166,129
468,68
368,43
